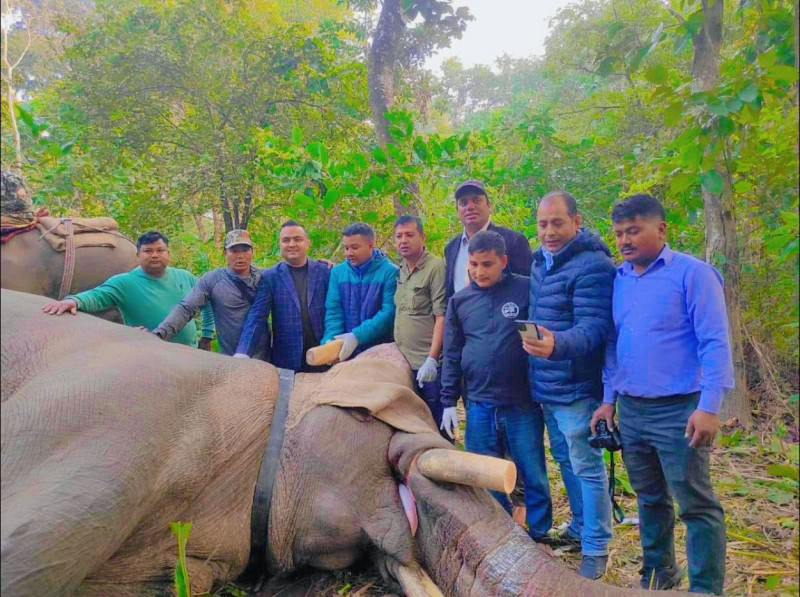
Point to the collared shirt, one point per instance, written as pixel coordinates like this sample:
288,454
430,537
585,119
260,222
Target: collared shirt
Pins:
419,298
460,277
671,332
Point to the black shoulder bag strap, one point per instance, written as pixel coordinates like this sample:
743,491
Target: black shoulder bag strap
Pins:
259,520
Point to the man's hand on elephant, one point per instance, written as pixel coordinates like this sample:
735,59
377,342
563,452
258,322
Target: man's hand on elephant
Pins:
449,421
702,427
427,372
60,307
349,344
240,355
604,411
204,344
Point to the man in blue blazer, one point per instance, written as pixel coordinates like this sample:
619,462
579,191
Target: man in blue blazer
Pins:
294,292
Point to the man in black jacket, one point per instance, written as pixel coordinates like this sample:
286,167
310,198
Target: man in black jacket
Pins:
571,284
474,211
484,362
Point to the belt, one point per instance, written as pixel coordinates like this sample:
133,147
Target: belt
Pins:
259,520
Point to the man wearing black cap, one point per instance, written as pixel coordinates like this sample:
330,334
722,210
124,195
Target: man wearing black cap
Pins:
474,210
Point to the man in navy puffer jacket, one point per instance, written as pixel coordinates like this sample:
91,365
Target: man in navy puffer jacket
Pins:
572,279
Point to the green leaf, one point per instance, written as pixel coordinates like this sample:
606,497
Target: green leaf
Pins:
330,198
782,72
181,531
782,470
712,181
793,398
749,94
780,497
718,109
766,59
318,153
421,149
657,73
681,182
772,581
370,217
67,147
672,115
734,104
379,155
303,201
297,135
742,186
25,115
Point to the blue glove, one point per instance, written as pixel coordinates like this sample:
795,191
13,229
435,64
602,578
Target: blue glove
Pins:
427,372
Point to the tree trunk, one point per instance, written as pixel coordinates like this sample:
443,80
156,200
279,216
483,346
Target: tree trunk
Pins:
383,55
219,227
722,244
9,9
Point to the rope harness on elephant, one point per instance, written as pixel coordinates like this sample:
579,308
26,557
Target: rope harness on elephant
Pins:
14,224
69,260
259,520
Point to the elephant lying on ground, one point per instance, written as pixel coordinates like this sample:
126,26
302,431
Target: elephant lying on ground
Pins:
108,434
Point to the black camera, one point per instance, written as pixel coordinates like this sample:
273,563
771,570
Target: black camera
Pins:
603,438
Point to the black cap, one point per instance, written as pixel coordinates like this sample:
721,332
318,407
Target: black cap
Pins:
470,185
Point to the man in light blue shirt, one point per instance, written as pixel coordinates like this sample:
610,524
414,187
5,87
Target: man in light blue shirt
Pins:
668,368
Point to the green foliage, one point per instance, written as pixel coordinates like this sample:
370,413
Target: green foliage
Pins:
181,531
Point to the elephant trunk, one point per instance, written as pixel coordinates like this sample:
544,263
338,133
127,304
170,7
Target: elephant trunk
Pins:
471,547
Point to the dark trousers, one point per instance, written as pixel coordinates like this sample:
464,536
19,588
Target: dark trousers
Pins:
661,465
430,392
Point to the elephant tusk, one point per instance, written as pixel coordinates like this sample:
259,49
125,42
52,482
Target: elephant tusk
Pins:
465,468
325,354
416,582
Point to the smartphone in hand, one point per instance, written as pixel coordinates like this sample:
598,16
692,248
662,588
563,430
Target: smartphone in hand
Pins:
528,329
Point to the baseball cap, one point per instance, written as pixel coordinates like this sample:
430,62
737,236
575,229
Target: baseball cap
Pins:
237,237
470,185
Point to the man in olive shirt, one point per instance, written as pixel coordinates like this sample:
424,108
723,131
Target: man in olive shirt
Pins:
419,320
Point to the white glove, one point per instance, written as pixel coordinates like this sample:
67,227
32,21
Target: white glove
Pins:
449,421
427,372
240,355
349,345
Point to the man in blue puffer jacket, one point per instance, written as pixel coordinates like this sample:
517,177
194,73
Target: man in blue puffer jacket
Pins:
572,279
359,308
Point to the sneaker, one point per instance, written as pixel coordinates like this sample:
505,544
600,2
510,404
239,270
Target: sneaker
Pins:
566,540
661,579
593,567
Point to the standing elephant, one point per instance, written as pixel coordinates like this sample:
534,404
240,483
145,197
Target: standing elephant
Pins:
28,263
109,434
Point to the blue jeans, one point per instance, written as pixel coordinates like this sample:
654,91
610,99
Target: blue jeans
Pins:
429,392
583,471
660,465
519,432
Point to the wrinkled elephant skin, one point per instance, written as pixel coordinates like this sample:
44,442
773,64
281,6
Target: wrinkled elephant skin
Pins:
108,434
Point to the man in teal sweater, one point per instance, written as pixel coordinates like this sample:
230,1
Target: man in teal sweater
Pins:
145,295
359,308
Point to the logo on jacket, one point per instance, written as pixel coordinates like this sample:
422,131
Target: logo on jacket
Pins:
510,310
